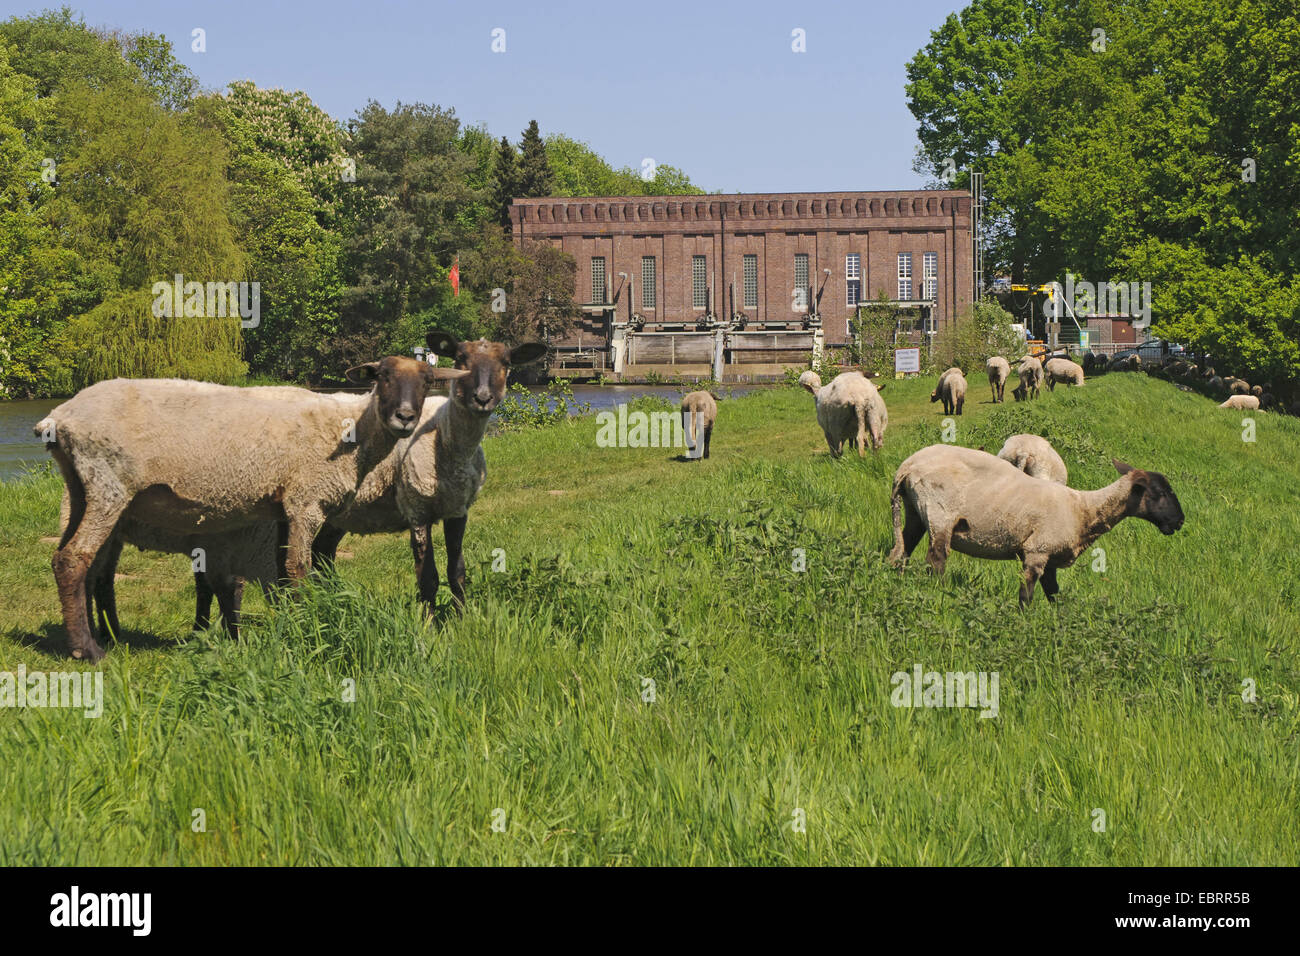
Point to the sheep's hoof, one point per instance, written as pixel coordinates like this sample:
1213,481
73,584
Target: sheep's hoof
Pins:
91,652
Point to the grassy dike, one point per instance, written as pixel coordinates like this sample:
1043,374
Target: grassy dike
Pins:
772,688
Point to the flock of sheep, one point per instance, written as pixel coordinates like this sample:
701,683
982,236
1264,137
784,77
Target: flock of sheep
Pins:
1013,505
263,483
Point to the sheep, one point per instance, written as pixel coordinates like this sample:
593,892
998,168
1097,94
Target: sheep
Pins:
848,408
1035,457
1241,402
699,412
1215,384
191,457
1089,361
1239,387
978,504
432,475
1063,370
952,389
1030,372
999,370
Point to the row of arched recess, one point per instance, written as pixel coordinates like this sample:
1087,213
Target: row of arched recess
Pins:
709,209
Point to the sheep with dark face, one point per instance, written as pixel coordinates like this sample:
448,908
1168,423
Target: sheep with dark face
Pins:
978,504
189,458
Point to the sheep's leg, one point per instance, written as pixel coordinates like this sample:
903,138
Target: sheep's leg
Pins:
1048,581
325,547
426,567
960,402
453,530
907,533
1035,565
72,566
834,446
940,543
230,601
708,434
203,595
300,534
105,591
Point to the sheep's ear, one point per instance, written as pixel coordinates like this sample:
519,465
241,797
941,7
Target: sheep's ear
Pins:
1121,467
441,343
881,386
527,352
434,374
362,374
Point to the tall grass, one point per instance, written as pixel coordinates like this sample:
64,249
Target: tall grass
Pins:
627,572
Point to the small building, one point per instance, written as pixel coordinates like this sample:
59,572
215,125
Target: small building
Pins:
738,287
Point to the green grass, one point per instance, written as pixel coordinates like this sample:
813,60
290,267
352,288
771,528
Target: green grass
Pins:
772,688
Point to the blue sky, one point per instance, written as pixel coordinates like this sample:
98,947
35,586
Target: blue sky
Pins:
712,88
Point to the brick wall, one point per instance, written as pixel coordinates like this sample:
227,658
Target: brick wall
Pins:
774,227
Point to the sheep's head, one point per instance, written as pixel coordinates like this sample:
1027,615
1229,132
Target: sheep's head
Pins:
401,385
811,381
1151,498
1020,392
485,366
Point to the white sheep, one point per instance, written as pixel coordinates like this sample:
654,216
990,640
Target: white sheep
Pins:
1035,457
978,504
849,408
1243,402
952,389
699,412
190,458
999,370
1030,373
1064,371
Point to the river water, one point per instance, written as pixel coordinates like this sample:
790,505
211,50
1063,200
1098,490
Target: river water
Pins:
20,450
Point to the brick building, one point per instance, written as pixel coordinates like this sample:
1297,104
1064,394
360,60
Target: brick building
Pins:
738,286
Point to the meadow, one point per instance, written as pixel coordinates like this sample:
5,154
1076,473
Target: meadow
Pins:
648,680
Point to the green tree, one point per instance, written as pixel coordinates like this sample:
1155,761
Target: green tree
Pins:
405,220
506,182
524,292
535,176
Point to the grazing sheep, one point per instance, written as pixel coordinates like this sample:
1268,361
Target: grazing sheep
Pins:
1035,457
999,370
978,504
1030,373
188,457
1239,387
848,408
699,412
1089,362
952,389
1216,384
1063,370
1241,401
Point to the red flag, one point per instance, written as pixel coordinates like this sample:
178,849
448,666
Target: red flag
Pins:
454,276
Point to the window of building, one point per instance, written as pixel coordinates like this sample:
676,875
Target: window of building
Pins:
751,282
853,278
598,280
930,275
699,283
800,281
905,276
648,282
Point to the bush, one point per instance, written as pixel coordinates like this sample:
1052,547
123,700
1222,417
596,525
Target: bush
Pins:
521,409
981,331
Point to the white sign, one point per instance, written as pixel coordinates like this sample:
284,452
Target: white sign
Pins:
907,360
